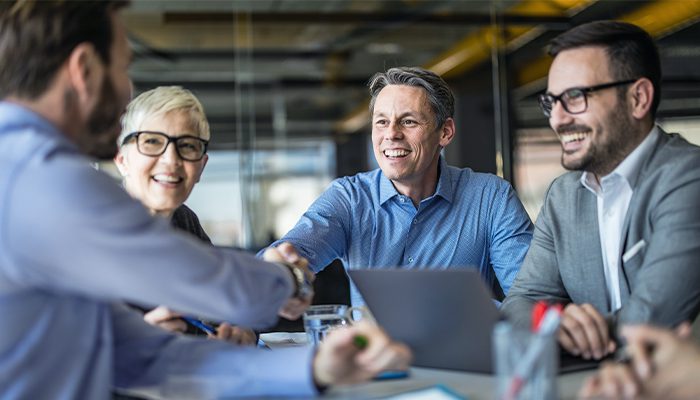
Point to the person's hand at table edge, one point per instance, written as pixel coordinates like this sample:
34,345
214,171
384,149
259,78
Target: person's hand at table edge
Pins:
343,359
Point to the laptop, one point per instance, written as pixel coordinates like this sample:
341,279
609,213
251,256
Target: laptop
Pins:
445,316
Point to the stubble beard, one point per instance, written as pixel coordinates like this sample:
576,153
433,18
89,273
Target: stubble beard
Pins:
99,138
604,156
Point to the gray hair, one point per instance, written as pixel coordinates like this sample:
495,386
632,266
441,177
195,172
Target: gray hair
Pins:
160,101
440,96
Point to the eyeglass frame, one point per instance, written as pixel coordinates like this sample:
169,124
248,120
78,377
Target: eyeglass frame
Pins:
585,90
171,139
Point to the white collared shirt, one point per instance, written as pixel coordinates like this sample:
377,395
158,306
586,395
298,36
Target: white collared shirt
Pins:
613,195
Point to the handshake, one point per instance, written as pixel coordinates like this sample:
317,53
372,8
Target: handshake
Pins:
298,266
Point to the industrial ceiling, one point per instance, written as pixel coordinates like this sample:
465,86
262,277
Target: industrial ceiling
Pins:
298,68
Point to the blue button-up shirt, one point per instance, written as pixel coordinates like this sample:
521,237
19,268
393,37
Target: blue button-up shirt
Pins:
473,220
74,245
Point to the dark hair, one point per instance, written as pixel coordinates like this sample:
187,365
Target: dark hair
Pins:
439,95
631,51
38,36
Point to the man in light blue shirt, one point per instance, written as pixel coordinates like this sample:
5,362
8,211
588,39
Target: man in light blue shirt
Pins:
74,246
415,211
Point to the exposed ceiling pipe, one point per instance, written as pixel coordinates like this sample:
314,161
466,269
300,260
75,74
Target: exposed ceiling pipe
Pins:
659,18
476,48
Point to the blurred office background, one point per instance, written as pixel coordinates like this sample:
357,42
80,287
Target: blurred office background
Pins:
284,86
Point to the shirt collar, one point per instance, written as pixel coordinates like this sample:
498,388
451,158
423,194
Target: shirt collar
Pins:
444,186
13,115
443,189
631,166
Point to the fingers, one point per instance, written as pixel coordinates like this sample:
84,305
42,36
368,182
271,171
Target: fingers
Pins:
166,319
234,334
285,252
619,381
340,360
640,340
683,330
290,255
159,314
381,352
566,340
584,331
591,388
596,330
294,308
613,381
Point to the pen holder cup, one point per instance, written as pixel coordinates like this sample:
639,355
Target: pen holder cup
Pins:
319,320
526,364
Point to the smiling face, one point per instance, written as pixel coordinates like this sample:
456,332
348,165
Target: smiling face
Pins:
405,139
598,139
164,182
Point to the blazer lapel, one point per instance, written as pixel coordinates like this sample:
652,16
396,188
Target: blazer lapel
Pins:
621,273
625,290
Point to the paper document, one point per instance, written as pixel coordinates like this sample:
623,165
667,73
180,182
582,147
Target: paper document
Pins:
437,392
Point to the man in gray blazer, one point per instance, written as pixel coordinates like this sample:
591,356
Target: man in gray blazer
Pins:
618,238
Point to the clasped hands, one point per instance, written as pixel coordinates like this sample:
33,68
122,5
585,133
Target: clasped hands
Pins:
286,253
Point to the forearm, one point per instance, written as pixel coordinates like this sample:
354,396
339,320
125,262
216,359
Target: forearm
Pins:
176,366
510,241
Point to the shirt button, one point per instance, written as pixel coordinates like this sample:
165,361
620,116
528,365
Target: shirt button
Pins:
402,199
415,221
410,259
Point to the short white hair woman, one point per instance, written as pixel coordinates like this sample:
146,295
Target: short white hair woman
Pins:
162,153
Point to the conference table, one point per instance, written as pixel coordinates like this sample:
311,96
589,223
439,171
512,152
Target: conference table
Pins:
468,385
472,386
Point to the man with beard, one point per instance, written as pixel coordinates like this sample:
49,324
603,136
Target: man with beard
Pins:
74,246
616,239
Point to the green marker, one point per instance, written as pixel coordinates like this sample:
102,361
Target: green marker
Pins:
360,341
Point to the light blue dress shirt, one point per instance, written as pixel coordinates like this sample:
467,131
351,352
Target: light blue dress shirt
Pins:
473,220
74,245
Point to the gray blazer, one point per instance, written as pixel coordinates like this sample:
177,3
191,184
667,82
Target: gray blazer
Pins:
660,248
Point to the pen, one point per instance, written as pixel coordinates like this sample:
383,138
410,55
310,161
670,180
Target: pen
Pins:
200,325
538,312
360,341
548,325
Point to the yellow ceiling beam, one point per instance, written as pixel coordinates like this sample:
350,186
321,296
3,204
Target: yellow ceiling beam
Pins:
659,18
476,48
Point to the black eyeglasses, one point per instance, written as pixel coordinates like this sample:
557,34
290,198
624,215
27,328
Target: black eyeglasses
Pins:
153,144
574,100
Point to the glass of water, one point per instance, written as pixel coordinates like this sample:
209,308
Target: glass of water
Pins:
319,320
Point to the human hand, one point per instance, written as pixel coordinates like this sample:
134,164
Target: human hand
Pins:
612,381
666,361
164,318
294,308
584,332
235,334
340,361
662,366
286,253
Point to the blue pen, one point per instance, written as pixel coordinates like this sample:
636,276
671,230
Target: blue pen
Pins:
200,325
386,375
